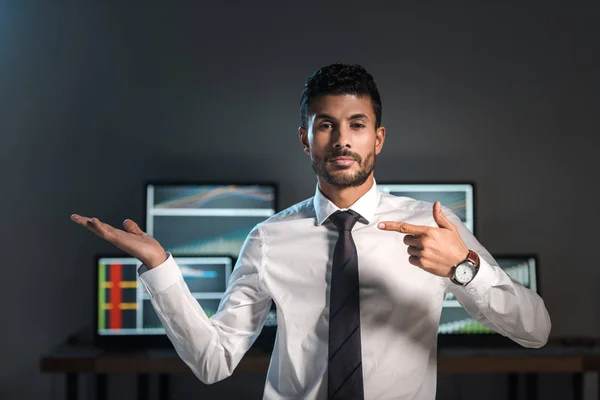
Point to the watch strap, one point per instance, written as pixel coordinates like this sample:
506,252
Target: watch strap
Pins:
473,258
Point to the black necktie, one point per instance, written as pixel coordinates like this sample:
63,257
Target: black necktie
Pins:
345,379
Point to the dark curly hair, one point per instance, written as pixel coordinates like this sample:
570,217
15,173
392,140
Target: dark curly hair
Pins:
340,79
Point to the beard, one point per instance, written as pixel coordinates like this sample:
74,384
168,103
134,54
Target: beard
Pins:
342,177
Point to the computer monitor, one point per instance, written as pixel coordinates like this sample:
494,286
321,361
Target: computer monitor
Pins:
457,326
459,197
191,219
124,313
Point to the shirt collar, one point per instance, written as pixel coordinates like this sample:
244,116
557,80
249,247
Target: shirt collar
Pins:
365,205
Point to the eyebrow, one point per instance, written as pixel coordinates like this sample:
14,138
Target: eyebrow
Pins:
353,116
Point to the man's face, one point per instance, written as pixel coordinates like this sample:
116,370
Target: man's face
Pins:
341,139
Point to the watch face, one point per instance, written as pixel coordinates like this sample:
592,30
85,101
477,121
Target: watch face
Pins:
464,273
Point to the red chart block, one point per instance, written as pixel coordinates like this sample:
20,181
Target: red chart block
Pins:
115,295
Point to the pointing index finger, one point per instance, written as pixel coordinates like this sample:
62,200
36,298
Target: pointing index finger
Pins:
403,227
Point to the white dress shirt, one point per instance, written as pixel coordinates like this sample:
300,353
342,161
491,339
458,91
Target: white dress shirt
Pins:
287,259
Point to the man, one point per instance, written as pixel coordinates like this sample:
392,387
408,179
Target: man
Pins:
358,276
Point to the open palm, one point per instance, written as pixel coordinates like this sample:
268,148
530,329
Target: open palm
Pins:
132,240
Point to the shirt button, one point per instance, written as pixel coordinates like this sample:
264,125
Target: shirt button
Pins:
471,291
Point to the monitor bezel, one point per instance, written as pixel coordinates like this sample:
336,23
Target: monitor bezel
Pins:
432,183
132,342
272,184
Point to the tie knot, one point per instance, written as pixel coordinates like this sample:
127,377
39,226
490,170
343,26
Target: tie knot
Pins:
344,220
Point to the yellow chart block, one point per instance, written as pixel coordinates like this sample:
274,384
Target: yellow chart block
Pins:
122,306
122,285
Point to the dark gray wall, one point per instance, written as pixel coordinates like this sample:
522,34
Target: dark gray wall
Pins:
96,99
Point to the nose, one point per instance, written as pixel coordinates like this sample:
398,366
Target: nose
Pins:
342,137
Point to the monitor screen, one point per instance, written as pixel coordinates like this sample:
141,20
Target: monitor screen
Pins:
123,304
455,319
198,219
458,197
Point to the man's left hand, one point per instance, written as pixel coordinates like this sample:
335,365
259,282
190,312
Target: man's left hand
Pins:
436,250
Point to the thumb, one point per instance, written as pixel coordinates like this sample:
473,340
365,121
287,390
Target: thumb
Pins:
132,227
440,219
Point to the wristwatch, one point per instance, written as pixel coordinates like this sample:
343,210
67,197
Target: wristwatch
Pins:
465,271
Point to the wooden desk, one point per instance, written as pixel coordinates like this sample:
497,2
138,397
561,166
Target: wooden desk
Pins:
574,360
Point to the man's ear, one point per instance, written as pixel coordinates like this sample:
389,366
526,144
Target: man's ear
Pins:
303,136
379,139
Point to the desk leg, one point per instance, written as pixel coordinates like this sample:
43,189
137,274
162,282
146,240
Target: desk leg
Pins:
513,386
577,386
142,386
163,386
71,386
101,387
531,386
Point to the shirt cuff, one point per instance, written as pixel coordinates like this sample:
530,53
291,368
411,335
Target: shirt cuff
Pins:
483,281
160,278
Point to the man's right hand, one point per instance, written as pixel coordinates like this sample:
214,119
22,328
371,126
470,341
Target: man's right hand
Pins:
132,240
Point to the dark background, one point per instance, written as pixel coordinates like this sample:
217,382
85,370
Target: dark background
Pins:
95,99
